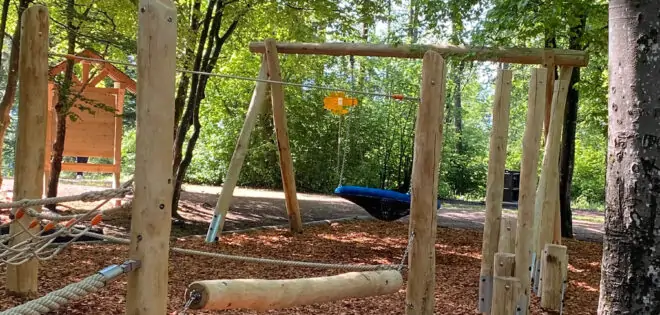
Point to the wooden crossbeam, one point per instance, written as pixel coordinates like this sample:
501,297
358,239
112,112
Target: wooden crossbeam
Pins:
562,57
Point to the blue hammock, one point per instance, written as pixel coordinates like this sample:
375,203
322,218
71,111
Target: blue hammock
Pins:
383,204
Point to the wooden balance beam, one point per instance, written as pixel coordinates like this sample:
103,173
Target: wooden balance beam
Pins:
262,295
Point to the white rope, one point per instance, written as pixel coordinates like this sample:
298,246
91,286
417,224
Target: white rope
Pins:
72,292
229,76
291,263
89,196
56,299
57,217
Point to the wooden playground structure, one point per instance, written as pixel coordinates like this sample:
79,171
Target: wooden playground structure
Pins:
505,278
97,129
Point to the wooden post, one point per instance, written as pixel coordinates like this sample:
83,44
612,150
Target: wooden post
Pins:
495,185
85,71
548,63
420,293
151,216
279,119
505,291
504,264
555,265
49,134
507,243
505,286
528,176
257,105
119,131
30,139
547,199
565,75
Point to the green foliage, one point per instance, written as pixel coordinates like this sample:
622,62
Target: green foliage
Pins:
378,134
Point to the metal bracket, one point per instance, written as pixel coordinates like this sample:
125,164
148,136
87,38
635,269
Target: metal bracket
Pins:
211,235
485,294
563,292
523,305
113,271
536,277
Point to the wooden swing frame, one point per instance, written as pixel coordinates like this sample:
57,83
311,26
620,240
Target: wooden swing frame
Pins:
423,221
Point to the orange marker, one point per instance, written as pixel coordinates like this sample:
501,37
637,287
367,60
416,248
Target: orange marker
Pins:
33,223
96,220
49,226
20,213
397,96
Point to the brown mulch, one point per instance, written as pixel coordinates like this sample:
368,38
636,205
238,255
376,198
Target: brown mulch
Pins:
372,242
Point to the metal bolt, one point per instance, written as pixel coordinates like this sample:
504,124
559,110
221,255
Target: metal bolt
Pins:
161,206
142,9
169,19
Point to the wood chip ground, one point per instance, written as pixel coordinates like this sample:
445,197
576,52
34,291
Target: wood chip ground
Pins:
366,242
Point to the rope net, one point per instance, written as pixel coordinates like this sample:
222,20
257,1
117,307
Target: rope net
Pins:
37,239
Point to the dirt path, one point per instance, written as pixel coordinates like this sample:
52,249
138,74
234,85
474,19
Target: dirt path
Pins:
255,207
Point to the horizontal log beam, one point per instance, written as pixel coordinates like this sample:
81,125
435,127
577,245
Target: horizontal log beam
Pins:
575,58
262,295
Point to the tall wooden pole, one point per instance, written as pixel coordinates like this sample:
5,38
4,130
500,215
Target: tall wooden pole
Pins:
119,131
151,216
495,185
528,175
547,195
30,139
548,63
420,293
257,105
279,120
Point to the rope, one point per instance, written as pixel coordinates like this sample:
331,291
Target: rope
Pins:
39,245
89,196
56,299
72,292
57,217
228,76
291,263
347,133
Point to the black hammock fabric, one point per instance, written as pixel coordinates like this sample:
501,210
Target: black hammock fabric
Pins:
382,204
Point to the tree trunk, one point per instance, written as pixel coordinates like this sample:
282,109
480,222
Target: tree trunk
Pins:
8,98
567,158
630,275
62,107
182,90
208,51
3,25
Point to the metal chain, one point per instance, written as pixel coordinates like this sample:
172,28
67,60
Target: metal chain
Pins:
345,152
348,127
405,253
338,167
186,306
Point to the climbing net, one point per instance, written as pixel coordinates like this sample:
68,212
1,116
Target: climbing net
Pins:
37,239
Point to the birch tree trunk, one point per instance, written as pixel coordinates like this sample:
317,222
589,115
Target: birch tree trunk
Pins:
630,279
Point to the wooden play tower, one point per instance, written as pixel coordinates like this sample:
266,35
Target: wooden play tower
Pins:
97,129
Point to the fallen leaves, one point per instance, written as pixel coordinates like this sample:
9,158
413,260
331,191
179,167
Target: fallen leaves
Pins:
367,242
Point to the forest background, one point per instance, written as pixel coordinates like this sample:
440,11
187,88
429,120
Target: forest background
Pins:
376,138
